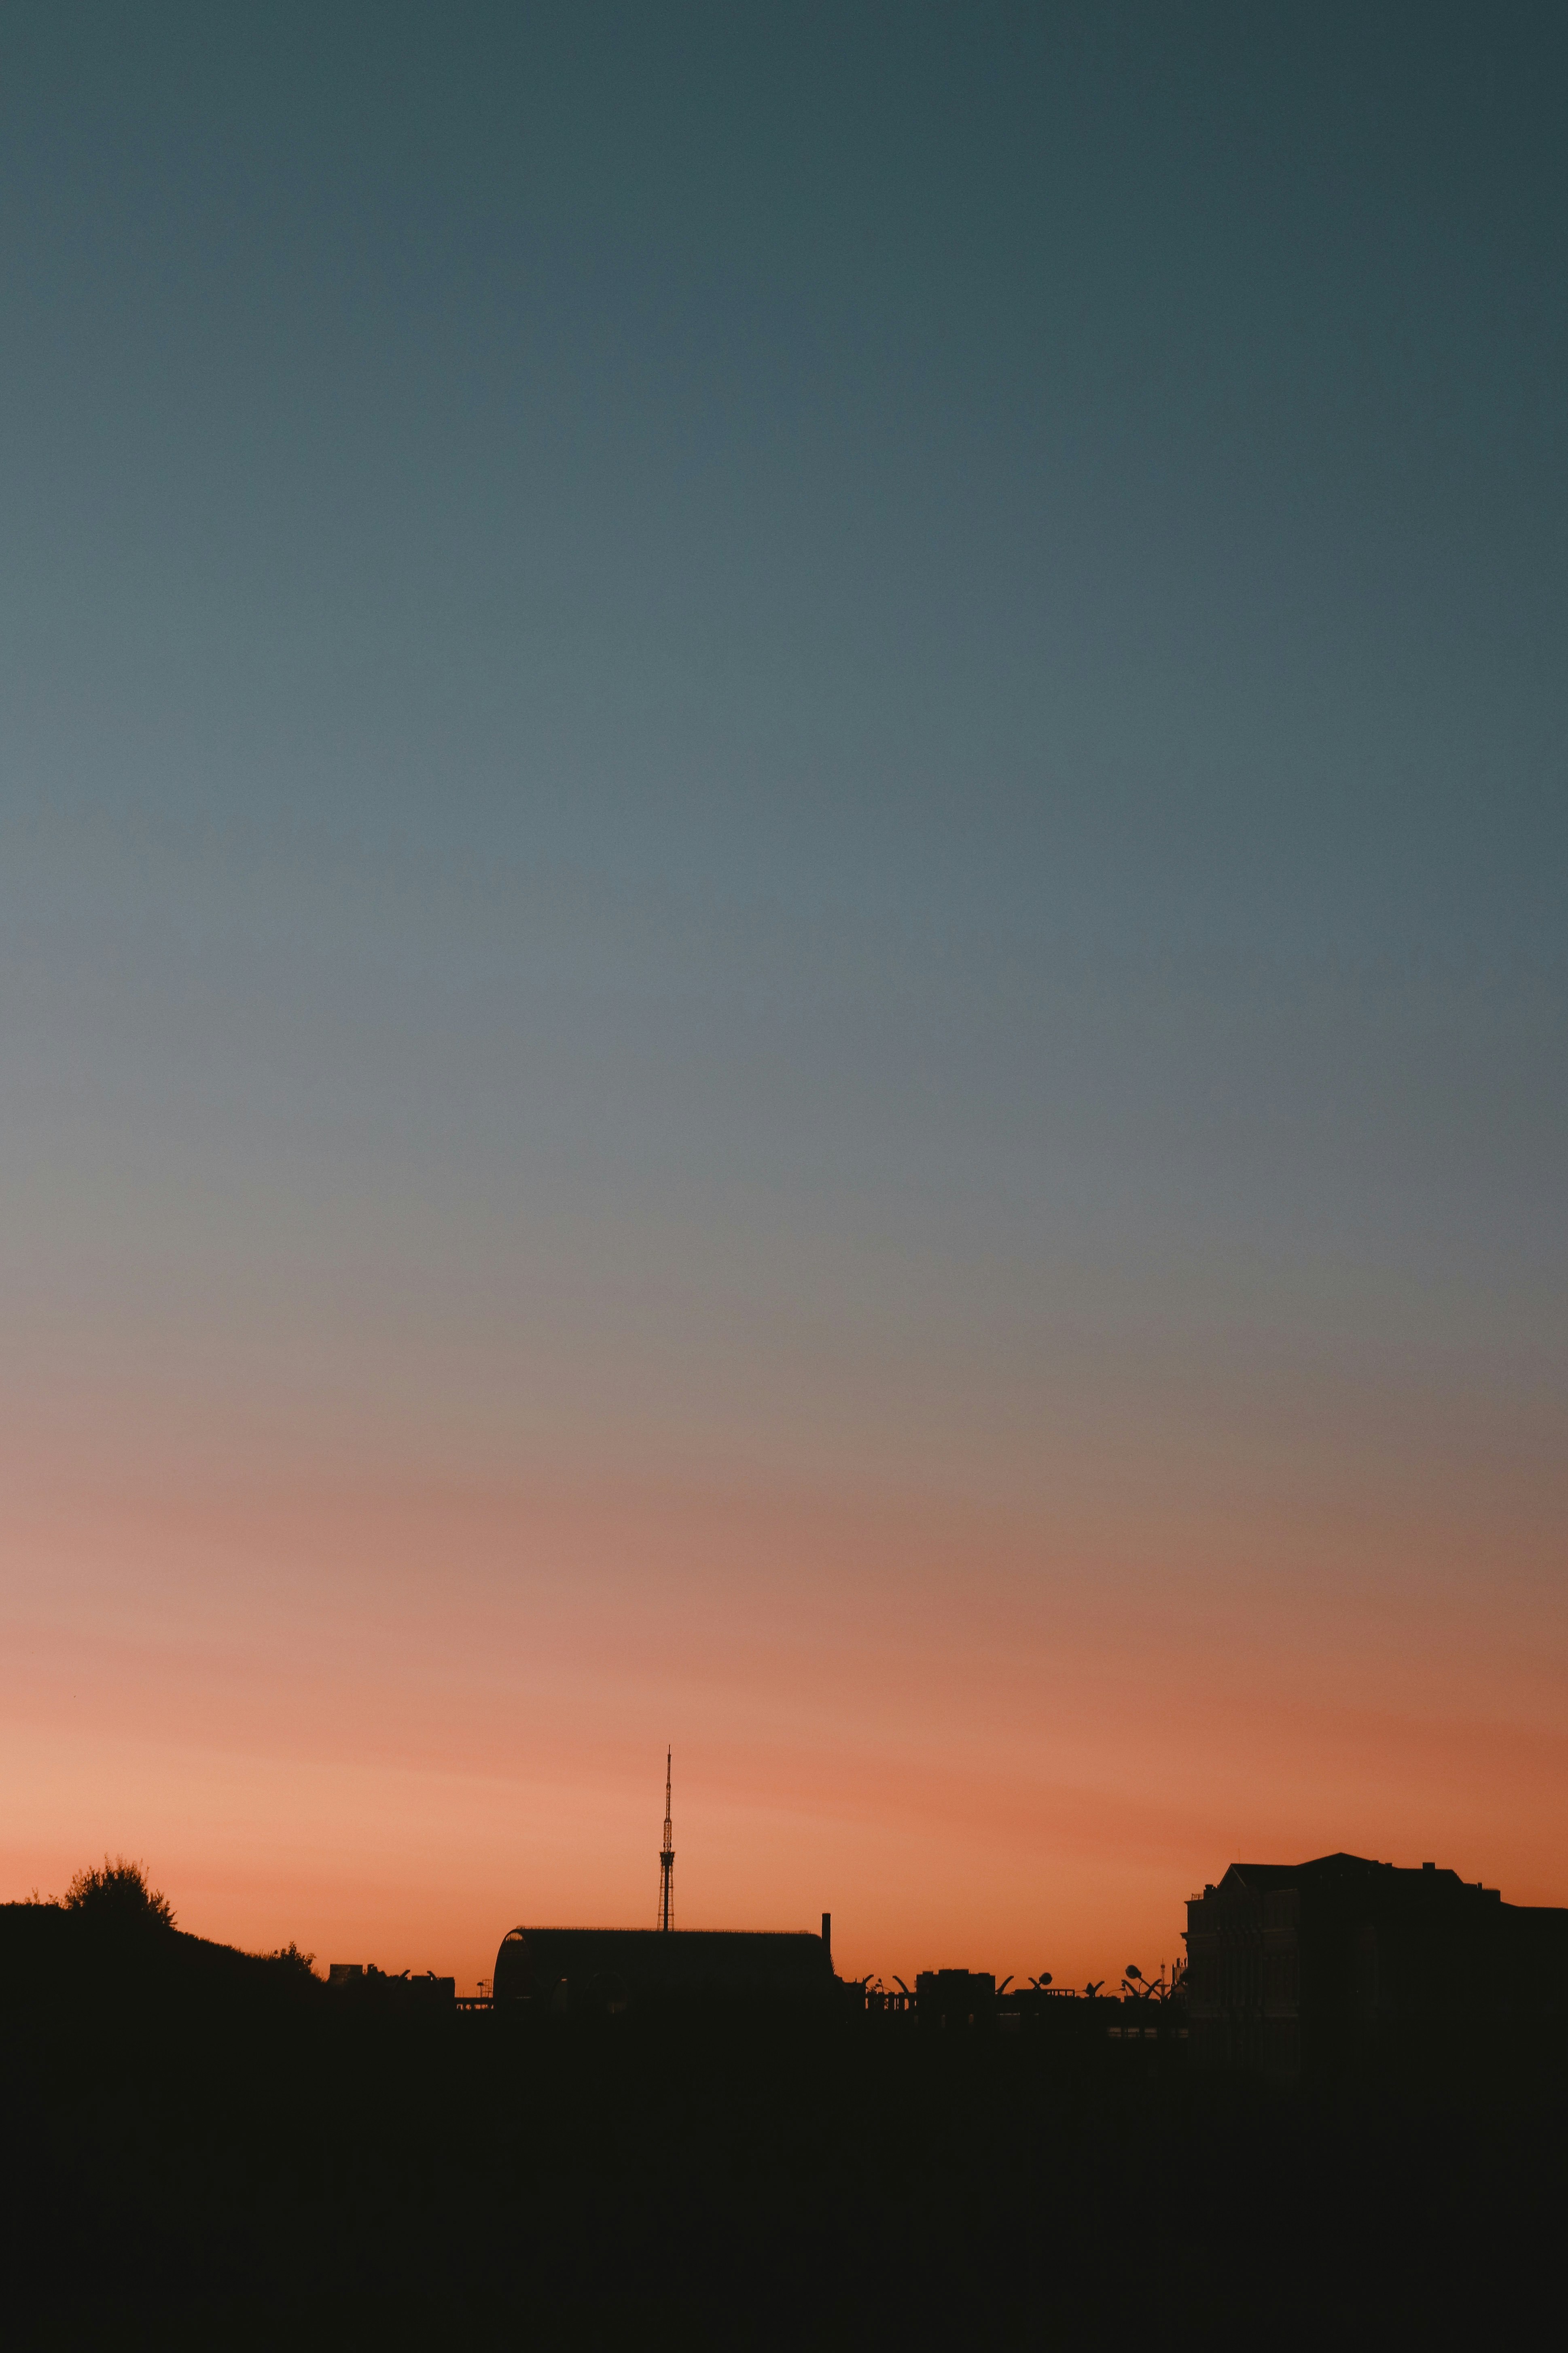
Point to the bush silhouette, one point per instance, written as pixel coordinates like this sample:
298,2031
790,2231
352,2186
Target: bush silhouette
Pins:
119,1896
292,1961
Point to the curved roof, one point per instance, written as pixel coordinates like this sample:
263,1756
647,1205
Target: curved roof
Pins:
533,1962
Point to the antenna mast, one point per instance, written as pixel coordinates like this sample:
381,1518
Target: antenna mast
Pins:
666,1860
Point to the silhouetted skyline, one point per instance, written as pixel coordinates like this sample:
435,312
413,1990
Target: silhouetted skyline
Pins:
781,858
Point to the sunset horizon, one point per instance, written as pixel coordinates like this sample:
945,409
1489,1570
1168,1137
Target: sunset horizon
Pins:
783,841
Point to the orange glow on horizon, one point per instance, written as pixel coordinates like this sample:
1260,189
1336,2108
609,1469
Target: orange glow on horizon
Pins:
392,1725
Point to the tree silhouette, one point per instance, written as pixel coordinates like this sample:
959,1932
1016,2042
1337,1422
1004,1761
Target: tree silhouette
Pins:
119,1896
290,1959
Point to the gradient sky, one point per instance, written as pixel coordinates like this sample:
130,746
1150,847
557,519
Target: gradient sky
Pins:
782,840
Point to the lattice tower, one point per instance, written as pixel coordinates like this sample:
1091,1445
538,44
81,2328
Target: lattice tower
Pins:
667,1859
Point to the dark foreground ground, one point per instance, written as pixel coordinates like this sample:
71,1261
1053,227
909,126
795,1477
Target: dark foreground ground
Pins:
204,2148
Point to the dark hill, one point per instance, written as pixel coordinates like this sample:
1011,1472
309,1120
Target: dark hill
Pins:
52,1959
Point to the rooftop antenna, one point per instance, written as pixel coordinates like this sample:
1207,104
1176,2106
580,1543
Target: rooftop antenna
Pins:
666,1860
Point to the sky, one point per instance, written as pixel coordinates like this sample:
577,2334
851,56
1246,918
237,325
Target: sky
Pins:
783,830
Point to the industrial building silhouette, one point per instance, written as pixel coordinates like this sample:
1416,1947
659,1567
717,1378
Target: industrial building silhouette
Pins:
577,1970
607,1971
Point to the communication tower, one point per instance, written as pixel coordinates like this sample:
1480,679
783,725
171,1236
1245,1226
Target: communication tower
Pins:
667,1859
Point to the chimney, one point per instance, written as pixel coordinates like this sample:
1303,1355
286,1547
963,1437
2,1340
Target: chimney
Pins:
827,1932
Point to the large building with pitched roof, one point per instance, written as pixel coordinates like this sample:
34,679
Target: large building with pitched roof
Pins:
1298,1970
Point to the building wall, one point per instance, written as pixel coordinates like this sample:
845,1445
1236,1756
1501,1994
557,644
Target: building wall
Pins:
1298,1970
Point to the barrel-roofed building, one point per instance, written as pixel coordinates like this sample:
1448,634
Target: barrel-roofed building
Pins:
576,1969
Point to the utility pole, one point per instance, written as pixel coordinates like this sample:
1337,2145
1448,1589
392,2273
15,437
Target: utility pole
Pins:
666,1860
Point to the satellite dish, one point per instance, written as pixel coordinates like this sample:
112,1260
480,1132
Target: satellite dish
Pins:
1132,1970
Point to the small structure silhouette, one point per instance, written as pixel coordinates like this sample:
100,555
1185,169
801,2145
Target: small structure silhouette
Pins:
365,1983
953,1997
